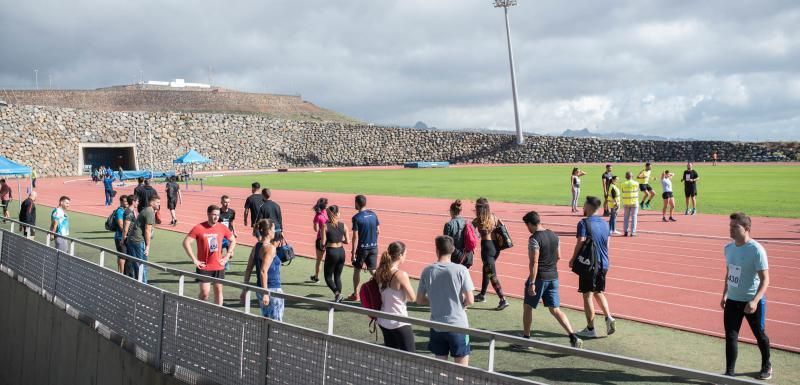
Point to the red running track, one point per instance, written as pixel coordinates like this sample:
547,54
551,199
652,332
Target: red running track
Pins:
671,275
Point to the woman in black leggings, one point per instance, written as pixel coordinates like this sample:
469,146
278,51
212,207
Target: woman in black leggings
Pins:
334,238
486,222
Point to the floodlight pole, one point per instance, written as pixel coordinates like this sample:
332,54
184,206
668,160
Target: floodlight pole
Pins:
36,78
505,4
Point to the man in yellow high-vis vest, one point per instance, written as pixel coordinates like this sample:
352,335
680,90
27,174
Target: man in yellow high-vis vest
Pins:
630,204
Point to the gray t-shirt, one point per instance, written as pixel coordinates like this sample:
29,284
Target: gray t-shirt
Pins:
455,229
444,283
146,217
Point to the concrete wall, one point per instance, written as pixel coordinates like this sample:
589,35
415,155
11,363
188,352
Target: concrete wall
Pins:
49,138
41,344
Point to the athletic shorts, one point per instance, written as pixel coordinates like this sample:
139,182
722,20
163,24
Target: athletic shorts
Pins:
596,284
4,203
318,245
691,191
171,204
546,291
220,274
645,187
666,195
226,243
449,343
368,257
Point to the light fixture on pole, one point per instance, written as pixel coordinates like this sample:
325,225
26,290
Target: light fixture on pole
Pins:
505,4
36,78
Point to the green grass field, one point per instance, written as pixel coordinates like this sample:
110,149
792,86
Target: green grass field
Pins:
759,190
632,339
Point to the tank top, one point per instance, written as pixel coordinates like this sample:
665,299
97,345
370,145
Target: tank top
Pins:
273,271
394,302
334,234
576,181
666,183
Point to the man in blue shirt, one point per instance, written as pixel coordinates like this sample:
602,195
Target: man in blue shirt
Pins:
593,285
364,252
108,185
746,282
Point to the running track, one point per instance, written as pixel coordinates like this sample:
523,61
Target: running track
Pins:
671,275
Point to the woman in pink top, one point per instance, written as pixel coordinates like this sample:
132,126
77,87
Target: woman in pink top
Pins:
320,218
396,290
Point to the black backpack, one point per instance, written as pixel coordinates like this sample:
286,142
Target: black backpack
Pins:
586,263
111,221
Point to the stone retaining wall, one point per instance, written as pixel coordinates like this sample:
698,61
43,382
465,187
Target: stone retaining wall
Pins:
48,138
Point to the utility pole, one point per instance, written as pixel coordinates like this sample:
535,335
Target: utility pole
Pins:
36,78
505,4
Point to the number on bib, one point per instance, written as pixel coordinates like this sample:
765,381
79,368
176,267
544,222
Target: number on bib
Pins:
734,274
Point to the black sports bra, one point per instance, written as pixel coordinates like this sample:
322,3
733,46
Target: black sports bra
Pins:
334,234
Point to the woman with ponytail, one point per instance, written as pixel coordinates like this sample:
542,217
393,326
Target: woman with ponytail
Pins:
320,219
485,221
396,290
455,229
267,266
334,237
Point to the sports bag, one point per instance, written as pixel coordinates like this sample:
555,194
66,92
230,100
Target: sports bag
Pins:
111,221
470,239
370,297
285,253
502,239
586,262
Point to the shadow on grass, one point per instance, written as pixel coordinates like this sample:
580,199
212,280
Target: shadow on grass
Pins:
598,376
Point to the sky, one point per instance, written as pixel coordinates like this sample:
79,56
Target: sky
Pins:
690,69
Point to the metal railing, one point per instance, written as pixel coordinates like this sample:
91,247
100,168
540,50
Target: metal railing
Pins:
333,307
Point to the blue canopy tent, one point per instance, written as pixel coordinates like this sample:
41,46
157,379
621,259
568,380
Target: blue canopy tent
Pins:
191,158
11,168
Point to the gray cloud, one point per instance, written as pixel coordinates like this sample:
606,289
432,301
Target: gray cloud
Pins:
713,69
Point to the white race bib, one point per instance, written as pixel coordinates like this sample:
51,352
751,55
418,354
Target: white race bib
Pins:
688,177
213,244
734,275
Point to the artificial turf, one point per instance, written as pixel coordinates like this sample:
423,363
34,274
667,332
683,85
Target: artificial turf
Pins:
632,339
757,189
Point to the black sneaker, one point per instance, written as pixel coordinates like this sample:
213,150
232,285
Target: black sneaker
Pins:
671,219
663,219
503,304
337,298
480,298
766,373
313,278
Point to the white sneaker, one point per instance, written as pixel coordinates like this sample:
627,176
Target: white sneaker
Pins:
586,333
611,326
616,232
578,343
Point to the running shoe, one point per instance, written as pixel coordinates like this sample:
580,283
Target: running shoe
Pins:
729,373
686,212
611,326
694,211
577,343
671,219
616,232
337,298
313,279
766,373
626,234
586,333
520,346
352,298
480,298
663,219
503,304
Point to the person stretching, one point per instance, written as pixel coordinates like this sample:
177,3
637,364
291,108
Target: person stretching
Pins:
669,200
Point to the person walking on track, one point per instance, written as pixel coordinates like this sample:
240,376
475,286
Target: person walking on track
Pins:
319,221
744,296
334,237
456,228
364,251
486,223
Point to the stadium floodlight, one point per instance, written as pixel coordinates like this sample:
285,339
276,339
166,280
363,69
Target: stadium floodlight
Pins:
505,4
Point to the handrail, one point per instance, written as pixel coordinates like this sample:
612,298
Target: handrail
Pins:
485,334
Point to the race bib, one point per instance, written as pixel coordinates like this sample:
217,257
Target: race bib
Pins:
688,177
734,275
226,224
213,243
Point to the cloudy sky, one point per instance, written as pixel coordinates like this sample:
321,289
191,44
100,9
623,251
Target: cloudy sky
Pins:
701,69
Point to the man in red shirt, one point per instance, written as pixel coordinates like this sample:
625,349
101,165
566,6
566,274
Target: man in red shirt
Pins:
209,260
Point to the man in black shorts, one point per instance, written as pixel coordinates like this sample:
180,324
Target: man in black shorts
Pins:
173,198
227,216
592,286
269,209
251,205
644,177
365,243
606,179
5,197
689,180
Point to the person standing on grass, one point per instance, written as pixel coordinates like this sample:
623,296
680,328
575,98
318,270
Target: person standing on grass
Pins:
669,199
334,237
320,219
575,186
606,179
447,288
59,224
269,209
130,233
173,190
209,260
455,229
714,158
396,290
613,201
644,177
544,251
744,293
364,252
5,197
630,204
227,216
594,229
138,244
267,266
27,215
108,188
689,179
251,205
486,222
119,227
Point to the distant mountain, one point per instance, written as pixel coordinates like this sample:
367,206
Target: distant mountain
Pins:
421,125
585,133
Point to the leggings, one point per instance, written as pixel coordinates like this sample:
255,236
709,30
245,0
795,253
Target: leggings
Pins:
576,192
334,263
489,255
734,312
401,338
